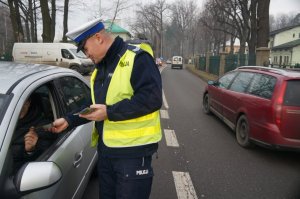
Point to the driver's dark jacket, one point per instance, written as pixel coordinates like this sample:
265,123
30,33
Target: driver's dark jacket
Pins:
33,118
147,86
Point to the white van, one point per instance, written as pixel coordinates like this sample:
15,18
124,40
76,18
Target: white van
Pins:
57,54
177,62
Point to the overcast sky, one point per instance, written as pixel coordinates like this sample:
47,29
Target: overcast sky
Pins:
89,9
284,6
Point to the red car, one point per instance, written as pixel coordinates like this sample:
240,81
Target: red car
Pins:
262,105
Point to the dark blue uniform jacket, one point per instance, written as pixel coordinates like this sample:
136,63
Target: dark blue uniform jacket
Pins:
146,83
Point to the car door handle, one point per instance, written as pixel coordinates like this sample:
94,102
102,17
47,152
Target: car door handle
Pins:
77,159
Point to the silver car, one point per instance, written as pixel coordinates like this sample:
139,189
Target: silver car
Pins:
64,168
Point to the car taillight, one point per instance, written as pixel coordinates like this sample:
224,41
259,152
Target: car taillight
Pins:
279,103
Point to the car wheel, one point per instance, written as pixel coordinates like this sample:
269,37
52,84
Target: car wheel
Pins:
206,104
242,132
76,68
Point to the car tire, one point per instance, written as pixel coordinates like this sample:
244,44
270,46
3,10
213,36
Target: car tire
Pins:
206,104
242,132
76,68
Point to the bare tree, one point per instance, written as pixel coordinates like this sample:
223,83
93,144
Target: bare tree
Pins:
283,20
153,14
246,19
46,35
223,17
65,22
141,26
263,23
53,19
6,32
15,18
183,16
48,21
119,5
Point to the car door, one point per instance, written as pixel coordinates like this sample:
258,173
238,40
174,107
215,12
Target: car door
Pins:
259,104
216,91
67,154
74,94
233,97
62,152
65,59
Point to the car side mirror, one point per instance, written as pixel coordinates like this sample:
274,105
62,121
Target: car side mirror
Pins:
37,175
212,83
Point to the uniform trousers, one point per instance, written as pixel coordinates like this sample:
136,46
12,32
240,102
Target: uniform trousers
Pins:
125,178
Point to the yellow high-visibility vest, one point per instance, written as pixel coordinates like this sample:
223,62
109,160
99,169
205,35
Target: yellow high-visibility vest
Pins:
146,47
127,133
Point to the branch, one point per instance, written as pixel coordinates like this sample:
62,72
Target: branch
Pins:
4,3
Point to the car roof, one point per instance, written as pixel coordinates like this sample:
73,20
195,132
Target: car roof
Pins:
283,72
11,73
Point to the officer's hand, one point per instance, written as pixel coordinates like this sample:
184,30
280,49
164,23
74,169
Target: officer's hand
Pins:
98,114
59,125
30,140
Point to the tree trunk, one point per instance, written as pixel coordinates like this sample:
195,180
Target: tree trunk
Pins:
53,18
224,43
35,21
66,12
263,23
19,21
28,38
16,20
46,35
253,39
241,61
232,40
13,19
30,14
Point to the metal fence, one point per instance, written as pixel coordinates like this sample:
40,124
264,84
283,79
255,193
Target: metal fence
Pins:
202,63
214,65
231,62
6,57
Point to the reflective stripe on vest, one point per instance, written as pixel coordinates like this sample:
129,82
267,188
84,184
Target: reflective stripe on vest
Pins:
127,133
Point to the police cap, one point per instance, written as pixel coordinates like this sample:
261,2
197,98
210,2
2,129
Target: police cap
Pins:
82,33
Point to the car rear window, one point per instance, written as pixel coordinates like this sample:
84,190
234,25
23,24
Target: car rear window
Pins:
292,94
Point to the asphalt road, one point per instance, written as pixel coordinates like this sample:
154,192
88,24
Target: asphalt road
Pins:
212,164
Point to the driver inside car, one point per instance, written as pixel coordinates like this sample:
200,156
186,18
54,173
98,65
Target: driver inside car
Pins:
30,139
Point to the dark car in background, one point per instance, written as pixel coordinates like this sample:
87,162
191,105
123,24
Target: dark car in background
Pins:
63,169
262,105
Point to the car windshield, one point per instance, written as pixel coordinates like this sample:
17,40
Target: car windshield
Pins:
3,104
291,97
79,54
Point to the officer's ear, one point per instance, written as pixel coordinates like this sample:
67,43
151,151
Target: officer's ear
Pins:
99,37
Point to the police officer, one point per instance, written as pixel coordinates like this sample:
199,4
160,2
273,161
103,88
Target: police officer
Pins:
126,95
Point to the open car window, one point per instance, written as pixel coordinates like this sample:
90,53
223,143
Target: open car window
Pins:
31,138
74,92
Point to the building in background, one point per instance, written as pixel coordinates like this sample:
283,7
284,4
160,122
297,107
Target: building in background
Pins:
285,46
117,30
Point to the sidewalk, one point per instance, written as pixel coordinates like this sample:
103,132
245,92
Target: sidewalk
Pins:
202,74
